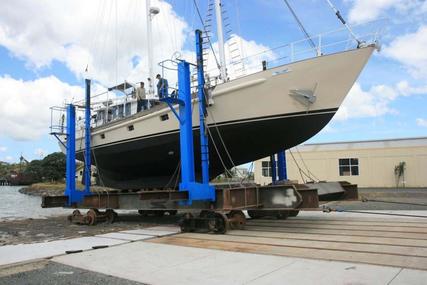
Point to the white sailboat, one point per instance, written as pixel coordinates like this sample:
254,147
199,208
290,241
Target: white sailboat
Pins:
251,117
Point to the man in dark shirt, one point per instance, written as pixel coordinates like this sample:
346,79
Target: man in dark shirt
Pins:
162,87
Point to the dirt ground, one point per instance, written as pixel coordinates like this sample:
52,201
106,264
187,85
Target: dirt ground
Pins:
56,228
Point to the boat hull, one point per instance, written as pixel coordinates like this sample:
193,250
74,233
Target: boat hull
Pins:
255,115
151,162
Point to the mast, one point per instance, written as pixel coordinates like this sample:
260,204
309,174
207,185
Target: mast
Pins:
149,47
220,35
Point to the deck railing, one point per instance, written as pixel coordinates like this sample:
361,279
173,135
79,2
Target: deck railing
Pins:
322,44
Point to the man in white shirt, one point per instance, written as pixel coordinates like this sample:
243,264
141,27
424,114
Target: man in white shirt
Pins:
140,97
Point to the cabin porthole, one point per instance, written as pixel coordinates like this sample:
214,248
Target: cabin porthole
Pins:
130,128
164,117
102,136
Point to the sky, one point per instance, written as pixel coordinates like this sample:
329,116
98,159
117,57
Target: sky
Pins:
47,48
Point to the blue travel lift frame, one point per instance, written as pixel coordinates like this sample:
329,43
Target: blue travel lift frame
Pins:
197,191
281,173
76,196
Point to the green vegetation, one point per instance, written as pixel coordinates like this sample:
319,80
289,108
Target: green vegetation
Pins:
49,169
399,172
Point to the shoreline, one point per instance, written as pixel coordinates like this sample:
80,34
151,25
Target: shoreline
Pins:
38,190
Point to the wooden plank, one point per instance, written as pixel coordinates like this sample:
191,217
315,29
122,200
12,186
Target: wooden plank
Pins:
342,227
367,233
326,222
359,219
316,244
339,255
332,238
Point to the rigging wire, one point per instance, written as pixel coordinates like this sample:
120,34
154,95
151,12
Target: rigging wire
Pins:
301,171
301,26
338,14
222,141
226,170
305,165
207,36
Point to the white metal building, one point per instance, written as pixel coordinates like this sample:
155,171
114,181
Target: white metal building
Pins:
374,163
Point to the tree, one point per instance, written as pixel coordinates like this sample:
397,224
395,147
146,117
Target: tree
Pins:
34,171
53,166
399,171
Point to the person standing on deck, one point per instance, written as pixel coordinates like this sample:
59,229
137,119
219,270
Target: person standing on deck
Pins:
140,97
162,87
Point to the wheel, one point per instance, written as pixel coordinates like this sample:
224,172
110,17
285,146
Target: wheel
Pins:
185,223
293,213
255,214
282,215
91,216
110,216
73,216
237,220
221,223
204,213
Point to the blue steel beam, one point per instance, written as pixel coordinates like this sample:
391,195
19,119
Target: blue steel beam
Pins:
70,174
202,109
273,168
88,163
186,128
281,166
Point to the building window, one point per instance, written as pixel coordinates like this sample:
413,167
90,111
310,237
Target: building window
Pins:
349,166
266,169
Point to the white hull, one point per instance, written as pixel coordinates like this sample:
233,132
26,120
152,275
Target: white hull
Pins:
261,96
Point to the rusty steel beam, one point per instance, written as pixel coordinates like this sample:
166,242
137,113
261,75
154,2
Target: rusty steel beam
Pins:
54,201
272,197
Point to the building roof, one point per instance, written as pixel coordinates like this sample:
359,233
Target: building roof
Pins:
366,144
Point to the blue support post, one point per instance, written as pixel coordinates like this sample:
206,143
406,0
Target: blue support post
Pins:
202,109
196,191
88,170
70,175
281,165
273,168
186,128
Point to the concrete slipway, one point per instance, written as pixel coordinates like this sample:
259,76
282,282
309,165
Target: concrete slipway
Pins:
335,248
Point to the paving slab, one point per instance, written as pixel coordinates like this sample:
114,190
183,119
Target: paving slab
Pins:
410,277
24,252
168,264
124,236
305,271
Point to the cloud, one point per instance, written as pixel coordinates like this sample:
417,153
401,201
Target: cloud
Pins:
421,122
242,57
376,101
364,11
24,111
8,158
3,148
410,50
87,34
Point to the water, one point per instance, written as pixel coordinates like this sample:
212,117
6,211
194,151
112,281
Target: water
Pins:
15,206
